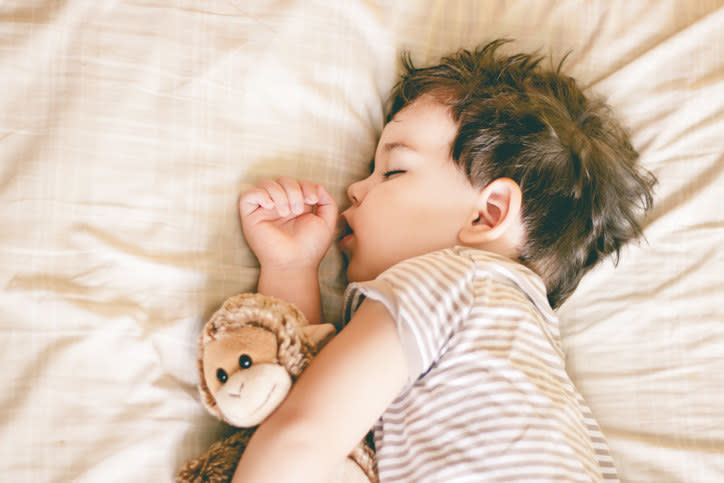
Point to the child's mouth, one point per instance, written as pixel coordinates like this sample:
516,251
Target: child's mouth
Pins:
346,232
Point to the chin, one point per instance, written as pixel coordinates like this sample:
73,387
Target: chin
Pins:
354,274
351,276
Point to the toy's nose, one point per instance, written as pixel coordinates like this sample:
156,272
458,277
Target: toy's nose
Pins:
241,387
238,392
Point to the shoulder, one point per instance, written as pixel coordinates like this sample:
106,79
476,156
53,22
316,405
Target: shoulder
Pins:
460,269
501,271
428,297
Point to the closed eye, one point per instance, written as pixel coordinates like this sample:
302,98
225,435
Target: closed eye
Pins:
393,172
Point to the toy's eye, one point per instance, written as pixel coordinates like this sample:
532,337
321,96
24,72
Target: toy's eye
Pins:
244,361
222,376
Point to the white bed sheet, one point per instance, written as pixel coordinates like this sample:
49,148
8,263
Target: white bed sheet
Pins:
128,129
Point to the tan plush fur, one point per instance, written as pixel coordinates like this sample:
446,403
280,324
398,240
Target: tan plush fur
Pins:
217,465
294,352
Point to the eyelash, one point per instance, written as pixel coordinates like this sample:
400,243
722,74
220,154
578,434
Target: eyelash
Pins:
393,172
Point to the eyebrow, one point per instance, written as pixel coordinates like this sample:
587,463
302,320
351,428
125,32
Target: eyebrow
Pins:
387,147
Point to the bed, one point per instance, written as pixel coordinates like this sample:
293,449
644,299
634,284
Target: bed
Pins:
129,128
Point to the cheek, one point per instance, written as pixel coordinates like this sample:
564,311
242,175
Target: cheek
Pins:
408,222
388,238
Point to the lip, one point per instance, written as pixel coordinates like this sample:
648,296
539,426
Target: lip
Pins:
346,239
346,232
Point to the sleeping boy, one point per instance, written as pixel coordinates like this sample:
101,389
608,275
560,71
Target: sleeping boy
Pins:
496,185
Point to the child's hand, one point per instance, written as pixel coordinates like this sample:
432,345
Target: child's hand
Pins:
289,224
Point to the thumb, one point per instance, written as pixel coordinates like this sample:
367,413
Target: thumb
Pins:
326,207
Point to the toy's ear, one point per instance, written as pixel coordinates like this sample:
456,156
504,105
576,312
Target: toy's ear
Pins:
318,334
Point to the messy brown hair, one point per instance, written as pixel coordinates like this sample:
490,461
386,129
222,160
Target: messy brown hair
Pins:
583,190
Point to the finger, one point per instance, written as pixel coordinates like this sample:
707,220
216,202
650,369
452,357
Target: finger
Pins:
253,199
326,207
278,196
294,193
309,192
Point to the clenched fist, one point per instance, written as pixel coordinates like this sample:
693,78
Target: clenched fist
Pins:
288,223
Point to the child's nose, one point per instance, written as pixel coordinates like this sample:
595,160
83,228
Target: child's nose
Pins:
354,192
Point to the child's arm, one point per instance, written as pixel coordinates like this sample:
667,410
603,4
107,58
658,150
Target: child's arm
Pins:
338,398
300,287
289,225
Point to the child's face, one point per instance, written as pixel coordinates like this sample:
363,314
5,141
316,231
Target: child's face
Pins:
415,201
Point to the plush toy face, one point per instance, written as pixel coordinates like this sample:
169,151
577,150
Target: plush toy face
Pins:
250,352
242,372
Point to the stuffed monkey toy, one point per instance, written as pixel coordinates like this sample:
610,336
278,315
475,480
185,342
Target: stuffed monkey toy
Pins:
250,353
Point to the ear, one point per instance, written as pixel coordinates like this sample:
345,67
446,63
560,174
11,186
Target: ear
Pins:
318,334
496,214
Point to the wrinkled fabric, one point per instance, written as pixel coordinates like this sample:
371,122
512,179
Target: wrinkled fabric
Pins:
128,129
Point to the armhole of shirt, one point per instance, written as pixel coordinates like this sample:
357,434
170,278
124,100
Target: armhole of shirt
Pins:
381,291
